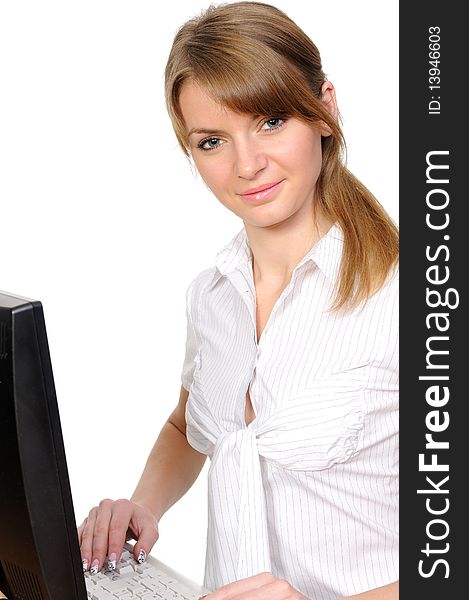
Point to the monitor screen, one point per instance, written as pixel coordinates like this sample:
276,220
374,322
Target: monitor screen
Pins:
39,551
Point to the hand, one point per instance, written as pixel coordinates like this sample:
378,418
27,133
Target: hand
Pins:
264,586
108,526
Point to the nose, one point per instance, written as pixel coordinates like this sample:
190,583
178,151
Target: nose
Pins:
250,159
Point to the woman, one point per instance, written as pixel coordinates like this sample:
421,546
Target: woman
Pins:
290,377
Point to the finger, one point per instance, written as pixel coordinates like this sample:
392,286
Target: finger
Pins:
86,538
146,540
278,589
118,526
80,531
101,535
242,586
84,561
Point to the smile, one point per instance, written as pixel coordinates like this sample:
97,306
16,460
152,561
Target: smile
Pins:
262,192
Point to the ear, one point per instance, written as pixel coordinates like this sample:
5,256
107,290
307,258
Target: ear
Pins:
330,103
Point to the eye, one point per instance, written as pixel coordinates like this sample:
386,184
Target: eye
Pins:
209,144
273,123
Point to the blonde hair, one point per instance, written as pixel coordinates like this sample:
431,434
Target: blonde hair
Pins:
253,59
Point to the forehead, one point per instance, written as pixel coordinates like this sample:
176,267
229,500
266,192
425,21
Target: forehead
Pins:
199,109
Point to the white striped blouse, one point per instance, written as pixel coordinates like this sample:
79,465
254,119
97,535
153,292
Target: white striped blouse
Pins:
309,489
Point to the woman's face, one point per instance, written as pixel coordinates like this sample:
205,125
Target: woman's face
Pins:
239,155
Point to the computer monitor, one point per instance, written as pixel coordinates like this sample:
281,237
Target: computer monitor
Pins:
39,549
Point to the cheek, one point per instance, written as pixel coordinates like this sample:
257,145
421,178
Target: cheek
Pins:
214,173
302,151
315,157
312,160
216,177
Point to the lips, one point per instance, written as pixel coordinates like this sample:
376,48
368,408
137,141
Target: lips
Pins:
262,192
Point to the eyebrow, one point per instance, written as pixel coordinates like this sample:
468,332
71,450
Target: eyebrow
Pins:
205,131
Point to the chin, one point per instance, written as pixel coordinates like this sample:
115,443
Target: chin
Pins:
270,216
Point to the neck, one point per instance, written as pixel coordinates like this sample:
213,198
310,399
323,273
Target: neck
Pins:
279,248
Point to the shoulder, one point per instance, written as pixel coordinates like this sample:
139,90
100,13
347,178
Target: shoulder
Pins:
229,255
200,282
383,300
390,287
384,303
392,281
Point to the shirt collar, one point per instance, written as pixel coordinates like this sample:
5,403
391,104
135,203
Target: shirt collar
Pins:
326,254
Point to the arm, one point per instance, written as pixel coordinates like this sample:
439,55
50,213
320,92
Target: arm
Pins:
171,469
266,586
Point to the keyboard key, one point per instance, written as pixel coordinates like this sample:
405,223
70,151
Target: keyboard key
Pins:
125,569
132,581
102,595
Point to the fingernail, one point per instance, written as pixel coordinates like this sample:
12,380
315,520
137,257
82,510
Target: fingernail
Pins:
111,562
142,555
94,567
84,564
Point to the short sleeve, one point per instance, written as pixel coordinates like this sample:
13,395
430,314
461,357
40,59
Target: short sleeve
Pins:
191,346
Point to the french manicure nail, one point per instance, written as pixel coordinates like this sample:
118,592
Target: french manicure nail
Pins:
94,567
142,555
111,562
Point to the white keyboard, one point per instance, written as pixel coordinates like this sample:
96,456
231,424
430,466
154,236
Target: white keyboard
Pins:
134,581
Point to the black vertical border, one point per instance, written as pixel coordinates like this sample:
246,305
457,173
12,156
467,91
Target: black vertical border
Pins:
423,131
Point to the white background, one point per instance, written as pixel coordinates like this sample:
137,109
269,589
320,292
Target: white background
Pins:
103,221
